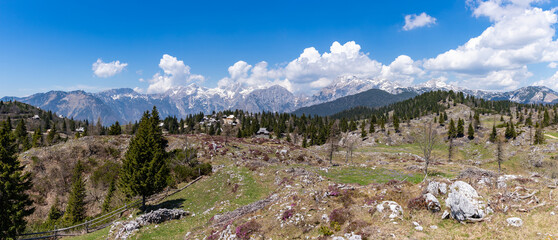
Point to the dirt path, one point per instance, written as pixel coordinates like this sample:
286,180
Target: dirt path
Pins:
550,136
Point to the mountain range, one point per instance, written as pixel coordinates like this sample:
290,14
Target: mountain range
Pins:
126,105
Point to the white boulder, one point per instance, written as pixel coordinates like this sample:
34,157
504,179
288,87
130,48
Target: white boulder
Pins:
390,207
464,202
432,202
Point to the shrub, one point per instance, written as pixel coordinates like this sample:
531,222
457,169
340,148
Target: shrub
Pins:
287,214
340,215
417,203
356,225
324,230
333,190
245,230
335,226
105,174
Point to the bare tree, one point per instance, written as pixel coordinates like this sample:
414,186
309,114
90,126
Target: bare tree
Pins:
333,140
350,143
426,139
227,131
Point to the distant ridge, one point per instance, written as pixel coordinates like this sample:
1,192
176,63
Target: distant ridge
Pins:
371,98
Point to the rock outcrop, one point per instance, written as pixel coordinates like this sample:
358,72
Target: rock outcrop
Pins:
464,202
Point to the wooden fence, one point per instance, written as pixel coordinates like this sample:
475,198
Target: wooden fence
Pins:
97,223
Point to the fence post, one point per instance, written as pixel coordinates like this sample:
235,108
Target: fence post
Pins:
86,226
55,232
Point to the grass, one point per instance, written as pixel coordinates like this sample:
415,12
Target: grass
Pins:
214,192
365,176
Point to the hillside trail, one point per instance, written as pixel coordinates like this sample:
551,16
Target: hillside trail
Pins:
550,136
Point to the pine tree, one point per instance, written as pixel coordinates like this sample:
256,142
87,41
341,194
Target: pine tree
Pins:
37,138
371,129
54,213
145,171
75,211
115,129
14,202
471,132
21,135
546,119
108,197
396,123
51,136
460,128
493,134
539,136
452,132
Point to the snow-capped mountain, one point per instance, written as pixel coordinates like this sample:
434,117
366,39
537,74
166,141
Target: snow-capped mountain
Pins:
126,105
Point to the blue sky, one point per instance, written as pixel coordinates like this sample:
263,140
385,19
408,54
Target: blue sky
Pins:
53,45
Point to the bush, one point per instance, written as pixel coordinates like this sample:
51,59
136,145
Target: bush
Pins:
417,203
356,225
324,230
105,174
340,215
245,230
287,214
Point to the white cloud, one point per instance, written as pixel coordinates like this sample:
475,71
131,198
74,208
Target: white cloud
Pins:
520,35
175,73
413,21
553,65
104,70
313,70
551,82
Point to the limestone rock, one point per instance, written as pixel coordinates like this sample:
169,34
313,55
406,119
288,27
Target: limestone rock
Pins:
514,222
432,202
390,207
464,202
437,188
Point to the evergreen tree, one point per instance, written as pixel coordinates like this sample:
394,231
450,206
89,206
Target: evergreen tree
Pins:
75,211
54,213
14,202
460,128
539,136
493,135
115,129
108,197
21,135
452,132
471,132
510,131
352,126
441,120
371,129
37,137
52,136
476,118
145,171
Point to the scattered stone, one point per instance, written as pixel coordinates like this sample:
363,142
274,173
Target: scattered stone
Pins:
432,203
514,222
552,213
222,219
395,210
437,188
418,227
465,203
445,215
123,230
325,218
434,227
